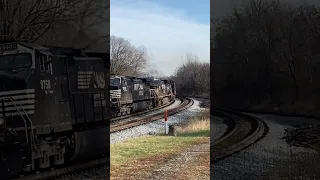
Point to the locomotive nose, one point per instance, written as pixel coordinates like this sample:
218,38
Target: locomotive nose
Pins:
9,83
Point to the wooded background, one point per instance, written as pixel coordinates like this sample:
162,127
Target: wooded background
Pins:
69,23
265,56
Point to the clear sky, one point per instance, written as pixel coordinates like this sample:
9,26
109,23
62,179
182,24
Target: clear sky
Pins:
169,29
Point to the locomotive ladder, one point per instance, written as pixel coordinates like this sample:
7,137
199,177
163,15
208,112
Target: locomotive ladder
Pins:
22,116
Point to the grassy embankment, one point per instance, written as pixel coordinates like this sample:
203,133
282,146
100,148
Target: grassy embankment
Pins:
131,151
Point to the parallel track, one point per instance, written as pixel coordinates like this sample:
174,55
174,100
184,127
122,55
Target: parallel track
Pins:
243,131
105,160
186,103
114,120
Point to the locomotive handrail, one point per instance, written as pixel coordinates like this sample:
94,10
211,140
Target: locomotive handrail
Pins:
31,123
25,122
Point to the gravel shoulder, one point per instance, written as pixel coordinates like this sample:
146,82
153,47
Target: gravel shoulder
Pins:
157,127
217,127
269,158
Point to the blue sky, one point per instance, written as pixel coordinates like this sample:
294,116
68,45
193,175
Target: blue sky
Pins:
169,29
198,10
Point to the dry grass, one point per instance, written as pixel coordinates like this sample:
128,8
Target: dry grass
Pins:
145,152
198,126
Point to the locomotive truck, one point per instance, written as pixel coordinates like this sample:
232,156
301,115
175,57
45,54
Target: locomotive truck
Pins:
132,94
53,105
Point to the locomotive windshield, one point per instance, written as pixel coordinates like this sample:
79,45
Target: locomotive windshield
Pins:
15,61
114,82
154,83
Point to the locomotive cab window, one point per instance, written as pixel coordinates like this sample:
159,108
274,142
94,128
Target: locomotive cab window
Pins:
114,83
15,61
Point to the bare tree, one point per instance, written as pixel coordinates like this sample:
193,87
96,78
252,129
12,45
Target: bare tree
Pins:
193,76
50,21
127,59
152,72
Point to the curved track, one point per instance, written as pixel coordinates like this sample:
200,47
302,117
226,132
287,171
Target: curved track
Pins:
117,126
114,120
243,131
186,103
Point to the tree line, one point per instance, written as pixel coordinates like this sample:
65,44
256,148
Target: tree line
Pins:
265,56
83,24
192,77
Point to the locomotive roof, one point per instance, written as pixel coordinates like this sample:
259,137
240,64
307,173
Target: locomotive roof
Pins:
34,46
137,78
78,54
167,80
13,47
121,76
116,76
86,58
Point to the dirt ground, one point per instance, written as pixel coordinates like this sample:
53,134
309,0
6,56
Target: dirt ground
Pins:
192,162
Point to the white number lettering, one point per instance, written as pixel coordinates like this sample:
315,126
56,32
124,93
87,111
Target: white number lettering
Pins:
45,84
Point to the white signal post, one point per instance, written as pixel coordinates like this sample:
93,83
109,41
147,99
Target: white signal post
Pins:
166,120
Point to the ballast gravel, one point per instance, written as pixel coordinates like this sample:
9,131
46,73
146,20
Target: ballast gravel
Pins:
158,126
217,127
265,159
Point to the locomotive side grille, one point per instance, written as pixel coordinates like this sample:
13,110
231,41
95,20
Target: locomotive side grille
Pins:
115,93
84,79
23,101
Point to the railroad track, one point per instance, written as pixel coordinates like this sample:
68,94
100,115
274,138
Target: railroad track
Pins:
116,119
243,130
103,161
186,103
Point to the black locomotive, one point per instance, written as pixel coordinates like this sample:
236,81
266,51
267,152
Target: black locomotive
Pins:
53,105
132,94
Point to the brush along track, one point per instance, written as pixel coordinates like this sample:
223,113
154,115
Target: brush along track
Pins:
243,131
186,103
51,174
